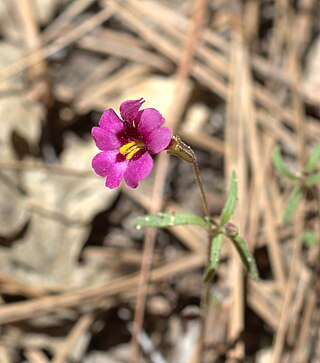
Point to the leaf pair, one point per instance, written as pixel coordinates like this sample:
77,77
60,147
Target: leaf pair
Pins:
244,253
308,179
224,230
218,229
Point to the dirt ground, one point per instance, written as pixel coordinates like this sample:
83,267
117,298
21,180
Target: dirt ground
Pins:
233,79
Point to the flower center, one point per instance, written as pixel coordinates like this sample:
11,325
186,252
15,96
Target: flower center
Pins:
131,148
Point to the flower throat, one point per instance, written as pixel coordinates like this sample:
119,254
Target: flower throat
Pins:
131,148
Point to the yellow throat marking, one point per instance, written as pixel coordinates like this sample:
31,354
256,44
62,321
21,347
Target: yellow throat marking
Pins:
131,148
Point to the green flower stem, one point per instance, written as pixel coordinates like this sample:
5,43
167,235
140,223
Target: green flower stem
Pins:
183,151
202,192
178,148
205,291
204,301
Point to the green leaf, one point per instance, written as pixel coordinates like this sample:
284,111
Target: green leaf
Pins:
314,158
214,256
230,204
246,257
309,238
312,180
163,220
292,203
280,166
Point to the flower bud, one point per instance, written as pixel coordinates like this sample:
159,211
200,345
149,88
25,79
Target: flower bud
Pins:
231,230
178,148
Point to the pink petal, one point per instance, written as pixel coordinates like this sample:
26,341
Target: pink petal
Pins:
138,169
109,164
111,122
105,140
130,109
116,174
102,161
150,119
158,140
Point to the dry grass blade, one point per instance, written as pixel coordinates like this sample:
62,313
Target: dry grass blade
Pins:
36,356
233,81
40,306
263,298
301,352
63,21
279,339
4,355
30,30
110,84
80,328
125,51
51,49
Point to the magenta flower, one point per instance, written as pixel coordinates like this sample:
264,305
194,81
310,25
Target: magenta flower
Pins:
127,144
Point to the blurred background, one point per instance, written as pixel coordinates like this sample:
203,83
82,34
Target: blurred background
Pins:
233,79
